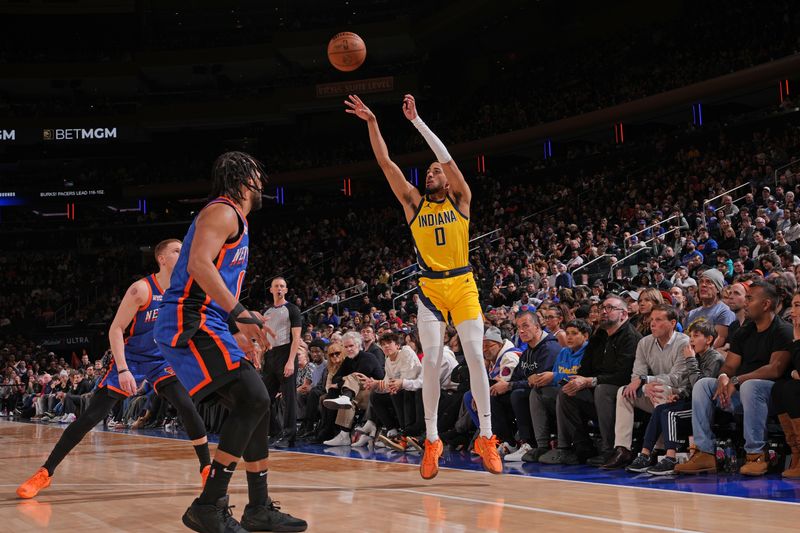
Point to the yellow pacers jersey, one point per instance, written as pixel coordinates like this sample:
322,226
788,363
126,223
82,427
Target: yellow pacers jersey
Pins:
441,235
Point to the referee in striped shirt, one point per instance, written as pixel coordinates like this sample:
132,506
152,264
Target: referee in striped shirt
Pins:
280,368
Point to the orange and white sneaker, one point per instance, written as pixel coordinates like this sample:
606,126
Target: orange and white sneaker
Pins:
429,466
487,449
204,474
37,482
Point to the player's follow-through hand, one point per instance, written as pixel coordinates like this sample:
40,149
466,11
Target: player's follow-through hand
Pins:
356,107
409,107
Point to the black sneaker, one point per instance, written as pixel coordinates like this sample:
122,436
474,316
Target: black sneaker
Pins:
600,460
641,463
560,456
665,467
287,440
533,455
270,518
212,518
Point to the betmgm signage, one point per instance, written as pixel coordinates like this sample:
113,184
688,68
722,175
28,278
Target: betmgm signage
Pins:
8,135
79,134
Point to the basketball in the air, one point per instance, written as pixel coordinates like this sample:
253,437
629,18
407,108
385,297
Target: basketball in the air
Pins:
346,51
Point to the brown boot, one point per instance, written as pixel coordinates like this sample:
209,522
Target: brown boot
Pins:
698,463
791,427
756,465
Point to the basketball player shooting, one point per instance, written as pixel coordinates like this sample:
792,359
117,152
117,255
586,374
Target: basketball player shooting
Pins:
439,223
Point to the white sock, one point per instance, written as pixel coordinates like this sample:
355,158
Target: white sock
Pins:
470,333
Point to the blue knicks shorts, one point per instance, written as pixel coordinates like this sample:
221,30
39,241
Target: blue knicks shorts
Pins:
210,360
155,370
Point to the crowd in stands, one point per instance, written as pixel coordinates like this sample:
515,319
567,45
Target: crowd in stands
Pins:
699,320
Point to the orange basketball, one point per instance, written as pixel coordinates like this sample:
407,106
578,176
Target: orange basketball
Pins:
346,51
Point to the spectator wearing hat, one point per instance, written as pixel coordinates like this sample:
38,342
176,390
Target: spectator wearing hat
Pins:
681,279
501,358
712,309
705,244
631,298
774,212
691,253
660,280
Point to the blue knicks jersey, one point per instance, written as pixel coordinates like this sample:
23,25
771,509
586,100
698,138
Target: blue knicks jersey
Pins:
186,308
139,333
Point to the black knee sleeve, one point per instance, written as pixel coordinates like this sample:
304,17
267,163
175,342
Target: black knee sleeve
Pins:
248,402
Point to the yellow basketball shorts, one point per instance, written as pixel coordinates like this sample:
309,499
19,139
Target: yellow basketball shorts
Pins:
456,298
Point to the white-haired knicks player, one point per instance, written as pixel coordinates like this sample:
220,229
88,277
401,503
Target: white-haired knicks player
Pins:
439,222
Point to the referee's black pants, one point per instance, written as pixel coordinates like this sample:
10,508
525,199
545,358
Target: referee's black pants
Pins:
272,372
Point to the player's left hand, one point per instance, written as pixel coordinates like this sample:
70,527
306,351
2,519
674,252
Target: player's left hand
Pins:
288,370
409,107
252,350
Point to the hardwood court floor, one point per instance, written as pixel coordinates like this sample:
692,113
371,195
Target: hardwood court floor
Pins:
135,483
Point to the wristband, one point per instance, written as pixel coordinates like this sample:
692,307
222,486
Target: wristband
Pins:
122,371
237,310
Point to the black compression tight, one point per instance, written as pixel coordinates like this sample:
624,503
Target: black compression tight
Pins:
245,431
176,394
99,407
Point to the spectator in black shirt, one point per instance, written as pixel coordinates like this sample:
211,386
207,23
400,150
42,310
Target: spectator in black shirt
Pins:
605,367
759,355
786,396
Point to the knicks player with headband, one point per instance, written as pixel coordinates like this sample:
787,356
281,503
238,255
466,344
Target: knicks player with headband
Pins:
439,223
136,358
209,338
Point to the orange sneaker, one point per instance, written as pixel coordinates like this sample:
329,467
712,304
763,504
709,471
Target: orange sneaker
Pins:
487,449
40,480
204,474
429,466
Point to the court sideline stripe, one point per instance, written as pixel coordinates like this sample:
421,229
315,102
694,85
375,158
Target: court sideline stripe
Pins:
594,483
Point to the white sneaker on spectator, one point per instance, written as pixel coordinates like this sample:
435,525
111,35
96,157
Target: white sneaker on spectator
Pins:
362,441
516,457
112,424
342,439
340,402
68,419
506,448
3,414
368,428
379,444
392,433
